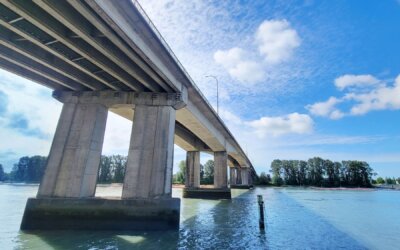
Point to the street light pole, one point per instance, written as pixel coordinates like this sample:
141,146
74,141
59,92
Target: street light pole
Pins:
216,79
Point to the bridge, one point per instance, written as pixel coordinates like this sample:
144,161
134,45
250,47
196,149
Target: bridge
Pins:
100,56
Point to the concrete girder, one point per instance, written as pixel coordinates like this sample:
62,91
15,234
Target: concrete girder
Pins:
128,23
84,10
113,99
44,21
111,58
61,63
18,70
30,65
35,53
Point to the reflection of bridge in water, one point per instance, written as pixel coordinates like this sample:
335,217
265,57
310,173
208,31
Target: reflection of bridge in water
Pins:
101,55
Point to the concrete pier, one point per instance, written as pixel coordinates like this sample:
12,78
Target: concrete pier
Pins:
74,158
192,179
220,190
244,179
65,198
150,157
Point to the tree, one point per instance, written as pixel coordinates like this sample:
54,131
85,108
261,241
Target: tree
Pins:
398,180
119,166
276,170
29,169
180,176
2,174
208,173
389,181
105,175
264,179
302,175
380,180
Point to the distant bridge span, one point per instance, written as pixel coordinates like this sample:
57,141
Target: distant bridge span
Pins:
100,55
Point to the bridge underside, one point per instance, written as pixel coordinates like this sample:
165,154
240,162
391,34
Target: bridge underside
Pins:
100,56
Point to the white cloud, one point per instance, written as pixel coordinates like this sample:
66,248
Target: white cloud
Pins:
361,100
347,81
246,71
292,123
277,40
327,108
382,98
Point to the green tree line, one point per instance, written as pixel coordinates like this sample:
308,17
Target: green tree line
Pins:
319,172
31,169
206,173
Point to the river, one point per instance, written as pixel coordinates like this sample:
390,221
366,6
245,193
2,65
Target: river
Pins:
296,218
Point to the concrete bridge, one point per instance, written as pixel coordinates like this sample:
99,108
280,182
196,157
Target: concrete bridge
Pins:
100,56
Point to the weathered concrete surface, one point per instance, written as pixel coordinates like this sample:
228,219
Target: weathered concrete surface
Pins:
192,179
150,157
245,176
101,214
232,176
220,169
238,175
207,193
75,153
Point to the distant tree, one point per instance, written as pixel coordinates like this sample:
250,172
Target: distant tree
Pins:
105,170
2,174
316,171
119,165
264,179
398,180
390,181
302,175
28,169
201,171
208,177
380,180
180,176
329,167
277,170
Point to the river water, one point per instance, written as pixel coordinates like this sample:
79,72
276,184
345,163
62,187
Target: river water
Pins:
296,218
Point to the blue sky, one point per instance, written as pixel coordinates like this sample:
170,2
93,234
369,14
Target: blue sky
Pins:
297,79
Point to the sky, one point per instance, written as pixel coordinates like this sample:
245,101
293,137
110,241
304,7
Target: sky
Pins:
297,79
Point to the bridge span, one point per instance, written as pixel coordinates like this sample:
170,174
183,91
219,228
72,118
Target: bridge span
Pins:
100,56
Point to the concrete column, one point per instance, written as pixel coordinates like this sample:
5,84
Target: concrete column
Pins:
192,179
232,176
74,158
238,175
150,157
220,169
245,176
